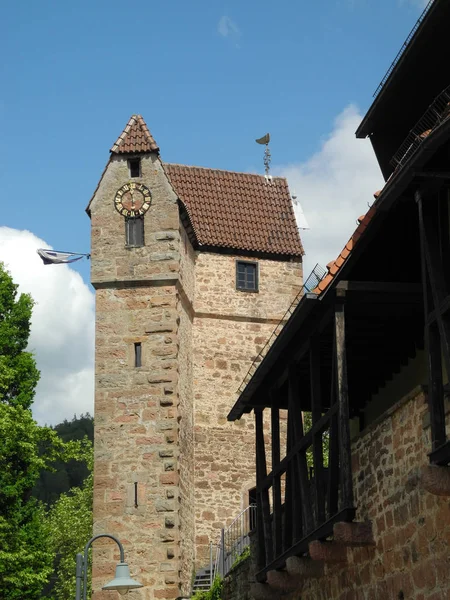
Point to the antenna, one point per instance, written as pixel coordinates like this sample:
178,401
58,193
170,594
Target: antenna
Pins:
264,141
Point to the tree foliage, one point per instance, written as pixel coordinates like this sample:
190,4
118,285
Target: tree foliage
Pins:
26,557
65,474
70,527
18,372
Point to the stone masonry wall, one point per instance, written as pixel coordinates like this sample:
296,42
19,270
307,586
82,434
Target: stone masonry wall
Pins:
230,328
185,298
136,408
411,526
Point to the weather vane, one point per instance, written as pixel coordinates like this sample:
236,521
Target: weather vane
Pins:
264,141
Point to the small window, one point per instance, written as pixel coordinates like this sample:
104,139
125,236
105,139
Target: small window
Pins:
247,276
134,164
138,354
134,231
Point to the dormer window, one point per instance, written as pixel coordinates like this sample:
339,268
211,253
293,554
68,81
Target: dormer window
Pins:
134,165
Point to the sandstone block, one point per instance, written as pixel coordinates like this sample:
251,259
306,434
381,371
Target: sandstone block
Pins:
330,552
436,480
283,582
164,506
304,567
263,591
354,534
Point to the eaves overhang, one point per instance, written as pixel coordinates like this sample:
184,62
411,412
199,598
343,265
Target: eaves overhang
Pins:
393,190
411,68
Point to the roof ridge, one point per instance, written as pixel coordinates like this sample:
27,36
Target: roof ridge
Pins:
135,137
169,164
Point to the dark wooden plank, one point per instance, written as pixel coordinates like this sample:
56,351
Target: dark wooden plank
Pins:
316,410
441,455
277,515
333,468
264,492
345,453
430,248
434,332
299,459
261,552
288,497
387,287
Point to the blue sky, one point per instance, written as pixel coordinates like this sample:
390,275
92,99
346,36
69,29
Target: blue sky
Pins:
208,76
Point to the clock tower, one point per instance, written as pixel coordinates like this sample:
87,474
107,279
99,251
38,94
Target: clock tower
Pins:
193,268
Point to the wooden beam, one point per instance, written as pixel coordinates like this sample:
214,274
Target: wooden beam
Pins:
386,287
435,333
263,494
345,455
299,459
277,516
316,410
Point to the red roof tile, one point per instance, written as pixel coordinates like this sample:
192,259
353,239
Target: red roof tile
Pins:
135,138
335,266
237,210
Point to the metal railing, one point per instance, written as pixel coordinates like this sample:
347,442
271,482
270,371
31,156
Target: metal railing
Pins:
436,113
402,49
313,280
233,541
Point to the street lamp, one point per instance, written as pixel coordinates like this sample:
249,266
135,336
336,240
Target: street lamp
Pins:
122,581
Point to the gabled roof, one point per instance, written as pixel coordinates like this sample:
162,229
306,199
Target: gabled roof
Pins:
237,210
136,137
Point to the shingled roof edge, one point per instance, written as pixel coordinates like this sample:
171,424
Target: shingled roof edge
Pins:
121,140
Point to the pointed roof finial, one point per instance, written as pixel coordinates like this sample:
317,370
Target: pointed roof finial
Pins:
136,137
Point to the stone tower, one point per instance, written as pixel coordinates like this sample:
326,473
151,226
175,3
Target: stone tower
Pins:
193,268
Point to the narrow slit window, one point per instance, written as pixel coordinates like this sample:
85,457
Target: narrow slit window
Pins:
134,164
134,231
247,276
138,354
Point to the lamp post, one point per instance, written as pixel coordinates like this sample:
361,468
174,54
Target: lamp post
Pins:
122,581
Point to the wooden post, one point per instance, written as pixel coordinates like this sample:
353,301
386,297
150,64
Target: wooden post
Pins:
288,493
345,456
432,339
261,557
316,409
277,516
263,493
299,460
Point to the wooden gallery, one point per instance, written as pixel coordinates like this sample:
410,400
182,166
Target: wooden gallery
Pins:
357,506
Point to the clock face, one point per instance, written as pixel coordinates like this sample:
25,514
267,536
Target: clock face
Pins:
133,199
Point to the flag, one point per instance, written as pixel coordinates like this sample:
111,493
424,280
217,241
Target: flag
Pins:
54,257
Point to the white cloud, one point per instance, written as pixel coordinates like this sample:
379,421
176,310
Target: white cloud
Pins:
62,328
334,188
227,28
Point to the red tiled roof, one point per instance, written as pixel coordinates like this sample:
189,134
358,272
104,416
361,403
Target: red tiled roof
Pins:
335,266
135,138
237,210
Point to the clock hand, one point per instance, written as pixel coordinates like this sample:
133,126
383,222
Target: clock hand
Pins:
132,199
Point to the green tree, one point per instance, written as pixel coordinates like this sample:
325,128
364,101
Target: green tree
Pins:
26,558
18,372
70,527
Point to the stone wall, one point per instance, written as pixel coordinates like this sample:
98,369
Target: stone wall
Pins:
230,328
136,436
411,526
186,413
136,489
